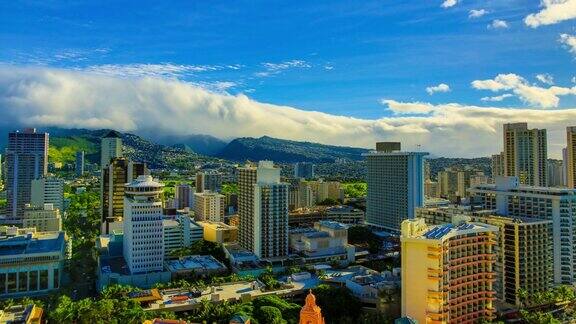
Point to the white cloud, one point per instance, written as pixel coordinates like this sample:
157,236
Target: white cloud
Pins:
402,108
276,68
545,78
497,98
531,94
498,24
477,13
164,70
43,97
442,87
569,41
553,11
573,80
449,3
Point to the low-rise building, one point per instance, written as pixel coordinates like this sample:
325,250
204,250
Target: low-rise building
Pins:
200,266
31,263
44,218
219,232
306,217
326,242
180,231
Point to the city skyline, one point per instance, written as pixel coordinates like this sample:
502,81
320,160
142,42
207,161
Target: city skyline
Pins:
442,74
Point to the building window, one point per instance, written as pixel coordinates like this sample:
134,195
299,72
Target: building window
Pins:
11,282
22,281
43,279
33,280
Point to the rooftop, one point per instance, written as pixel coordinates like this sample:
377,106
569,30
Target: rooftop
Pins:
20,314
332,225
440,231
29,244
195,262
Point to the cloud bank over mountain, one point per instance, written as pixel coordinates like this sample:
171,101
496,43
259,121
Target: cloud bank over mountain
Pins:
79,99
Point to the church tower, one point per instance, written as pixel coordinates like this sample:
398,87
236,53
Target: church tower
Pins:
311,313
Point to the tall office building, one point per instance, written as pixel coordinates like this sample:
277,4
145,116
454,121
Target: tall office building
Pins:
111,147
557,205
183,196
570,157
143,229
304,170
48,190
263,210
523,249
497,165
526,154
565,163
79,166
208,180
555,173
26,160
209,206
447,271
395,185
119,172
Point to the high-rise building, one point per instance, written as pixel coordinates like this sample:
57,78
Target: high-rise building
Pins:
447,271
558,205
48,190
183,196
43,218
79,166
143,228
453,183
208,180
26,160
565,163
209,206
526,154
304,170
395,186
111,147
555,173
570,157
263,210
497,165
523,249
114,177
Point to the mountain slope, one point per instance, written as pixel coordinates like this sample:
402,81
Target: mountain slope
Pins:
65,142
285,151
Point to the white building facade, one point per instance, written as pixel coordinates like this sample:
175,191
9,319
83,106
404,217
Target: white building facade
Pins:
143,247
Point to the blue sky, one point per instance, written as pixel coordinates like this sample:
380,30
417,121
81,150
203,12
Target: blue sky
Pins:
353,53
370,60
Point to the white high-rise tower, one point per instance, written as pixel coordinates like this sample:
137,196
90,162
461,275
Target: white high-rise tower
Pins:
143,230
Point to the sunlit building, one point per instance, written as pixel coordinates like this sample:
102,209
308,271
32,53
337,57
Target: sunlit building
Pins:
558,205
448,271
110,148
263,210
43,218
143,227
526,154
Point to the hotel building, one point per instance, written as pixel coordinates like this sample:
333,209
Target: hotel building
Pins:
558,205
395,185
448,271
523,249
263,211
209,206
526,154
